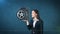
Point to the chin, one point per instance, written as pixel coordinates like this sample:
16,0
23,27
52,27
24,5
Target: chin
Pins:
32,17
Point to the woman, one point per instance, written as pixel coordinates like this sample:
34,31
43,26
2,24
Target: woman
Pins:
36,24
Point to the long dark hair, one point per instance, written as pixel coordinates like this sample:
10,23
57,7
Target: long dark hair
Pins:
38,16
37,12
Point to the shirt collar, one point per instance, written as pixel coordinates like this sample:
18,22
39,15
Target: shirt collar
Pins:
35,19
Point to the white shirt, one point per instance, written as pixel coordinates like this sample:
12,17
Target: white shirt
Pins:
34,22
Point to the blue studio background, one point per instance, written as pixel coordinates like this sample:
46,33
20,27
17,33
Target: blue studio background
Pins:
49,13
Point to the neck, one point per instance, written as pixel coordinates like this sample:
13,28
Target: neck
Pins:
35,18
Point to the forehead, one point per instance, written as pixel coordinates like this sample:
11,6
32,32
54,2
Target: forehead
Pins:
33,11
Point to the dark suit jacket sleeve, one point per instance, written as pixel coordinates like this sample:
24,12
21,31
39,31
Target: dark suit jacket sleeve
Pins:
30,25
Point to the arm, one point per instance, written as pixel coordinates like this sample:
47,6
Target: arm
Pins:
29,25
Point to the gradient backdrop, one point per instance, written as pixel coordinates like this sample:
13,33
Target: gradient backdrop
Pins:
49,12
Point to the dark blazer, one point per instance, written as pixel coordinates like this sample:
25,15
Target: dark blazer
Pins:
38,27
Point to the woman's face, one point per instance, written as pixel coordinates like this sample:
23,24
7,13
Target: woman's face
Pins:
33,14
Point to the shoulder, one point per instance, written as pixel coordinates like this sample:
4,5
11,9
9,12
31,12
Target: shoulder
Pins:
40,21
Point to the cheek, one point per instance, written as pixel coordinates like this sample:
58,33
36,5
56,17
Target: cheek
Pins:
33,15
